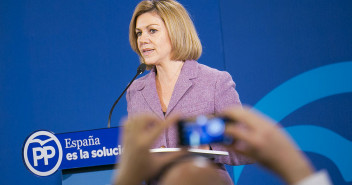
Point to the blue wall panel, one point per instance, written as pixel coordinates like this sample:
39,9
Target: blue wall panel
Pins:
270,45
267,43
63,64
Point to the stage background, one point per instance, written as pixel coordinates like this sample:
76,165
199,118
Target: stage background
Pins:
63,63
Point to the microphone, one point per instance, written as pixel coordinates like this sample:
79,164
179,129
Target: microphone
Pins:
141,68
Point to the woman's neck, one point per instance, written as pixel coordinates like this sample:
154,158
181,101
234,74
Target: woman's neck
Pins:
169,71
166,79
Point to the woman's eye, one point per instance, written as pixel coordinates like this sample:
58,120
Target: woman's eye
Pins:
138,33
153,30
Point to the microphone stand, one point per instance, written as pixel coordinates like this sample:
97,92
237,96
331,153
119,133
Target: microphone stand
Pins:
141,68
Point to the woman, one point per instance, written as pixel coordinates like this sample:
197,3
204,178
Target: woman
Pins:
163,35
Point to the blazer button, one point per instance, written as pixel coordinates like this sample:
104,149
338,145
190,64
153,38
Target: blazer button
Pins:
163,146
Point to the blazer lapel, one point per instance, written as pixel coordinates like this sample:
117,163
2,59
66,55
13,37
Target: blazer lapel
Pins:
150,94
189,71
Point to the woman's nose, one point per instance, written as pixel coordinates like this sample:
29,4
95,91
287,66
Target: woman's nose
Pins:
144,38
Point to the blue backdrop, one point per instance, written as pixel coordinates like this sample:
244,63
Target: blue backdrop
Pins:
63,63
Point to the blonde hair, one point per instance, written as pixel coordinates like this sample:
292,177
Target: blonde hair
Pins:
182,33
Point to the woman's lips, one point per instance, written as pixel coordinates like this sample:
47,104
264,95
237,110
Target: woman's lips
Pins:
147,52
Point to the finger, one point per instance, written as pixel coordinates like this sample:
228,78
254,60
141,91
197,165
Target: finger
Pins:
166,158
243,140
240,150
162,125
156,130
251,118
144,121
137,125
173,119
140,122
238,133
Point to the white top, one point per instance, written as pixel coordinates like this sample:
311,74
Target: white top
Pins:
321,178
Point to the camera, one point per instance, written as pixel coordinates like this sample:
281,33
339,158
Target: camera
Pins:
203,130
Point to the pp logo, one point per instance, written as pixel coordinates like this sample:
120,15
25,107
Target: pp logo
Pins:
42,153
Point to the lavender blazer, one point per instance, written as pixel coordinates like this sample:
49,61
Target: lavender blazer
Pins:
198,90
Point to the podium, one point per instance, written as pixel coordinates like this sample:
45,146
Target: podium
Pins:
83,157
103,174
88,156
88,176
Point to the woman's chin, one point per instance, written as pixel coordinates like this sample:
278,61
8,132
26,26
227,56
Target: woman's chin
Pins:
150,62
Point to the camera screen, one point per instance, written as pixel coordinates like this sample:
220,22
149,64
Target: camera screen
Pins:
202,131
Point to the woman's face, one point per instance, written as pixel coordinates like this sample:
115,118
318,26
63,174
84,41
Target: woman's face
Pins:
153,39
